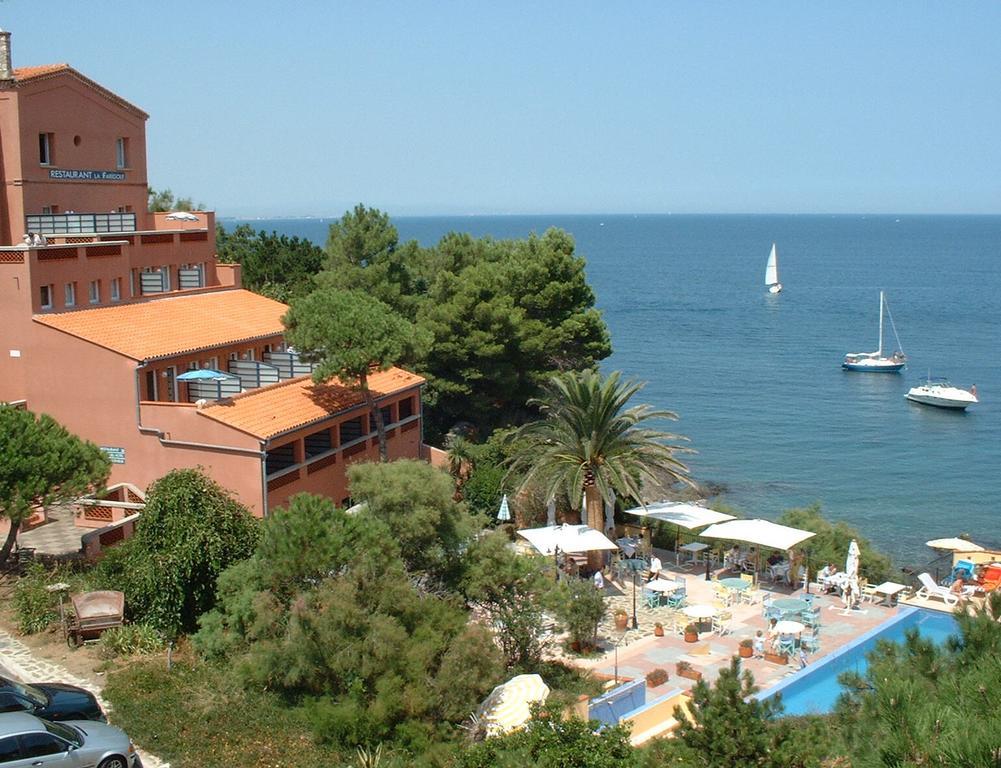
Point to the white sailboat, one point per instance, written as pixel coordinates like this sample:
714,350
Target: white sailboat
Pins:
876,362
772,272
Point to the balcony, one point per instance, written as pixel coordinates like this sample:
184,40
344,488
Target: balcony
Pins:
249,374
79,223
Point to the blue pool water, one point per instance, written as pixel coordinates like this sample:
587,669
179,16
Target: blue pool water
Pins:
815,690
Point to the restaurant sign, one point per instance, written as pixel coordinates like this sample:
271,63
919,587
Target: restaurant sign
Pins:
115,455
71,175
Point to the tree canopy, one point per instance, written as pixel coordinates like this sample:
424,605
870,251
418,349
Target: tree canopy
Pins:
830,544
277,266
190,531
160,200
348,334
42,463
592,443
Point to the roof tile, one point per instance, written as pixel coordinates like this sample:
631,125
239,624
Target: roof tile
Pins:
27,73
283,407
174,325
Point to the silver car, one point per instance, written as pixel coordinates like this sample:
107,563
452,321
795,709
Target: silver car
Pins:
27,741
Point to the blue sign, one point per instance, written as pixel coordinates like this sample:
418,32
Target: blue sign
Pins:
69,175
115,455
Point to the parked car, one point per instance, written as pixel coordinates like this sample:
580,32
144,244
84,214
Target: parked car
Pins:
26,740
52,701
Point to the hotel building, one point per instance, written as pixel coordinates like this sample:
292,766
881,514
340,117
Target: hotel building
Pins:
122,325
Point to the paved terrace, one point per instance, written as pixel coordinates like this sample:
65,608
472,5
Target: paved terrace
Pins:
640,651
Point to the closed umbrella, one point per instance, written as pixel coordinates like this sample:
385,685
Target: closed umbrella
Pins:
551,512
609,515
504,513
508,706
851,571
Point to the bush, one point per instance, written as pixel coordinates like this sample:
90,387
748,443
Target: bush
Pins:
35,608
132,640
656,677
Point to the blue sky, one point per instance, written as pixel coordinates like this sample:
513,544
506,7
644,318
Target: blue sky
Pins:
555,107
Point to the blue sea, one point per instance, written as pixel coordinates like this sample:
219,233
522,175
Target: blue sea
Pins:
756,379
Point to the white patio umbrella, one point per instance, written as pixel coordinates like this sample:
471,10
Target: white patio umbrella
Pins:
566,538
680,514
508,706
181,216
954,544
851,571
504,513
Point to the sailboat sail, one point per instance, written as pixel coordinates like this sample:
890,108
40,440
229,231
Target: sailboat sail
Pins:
772,269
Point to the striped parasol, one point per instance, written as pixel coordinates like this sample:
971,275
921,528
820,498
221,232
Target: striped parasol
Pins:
504,513
508,706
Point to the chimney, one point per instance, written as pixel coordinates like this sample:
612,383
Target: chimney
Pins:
6,68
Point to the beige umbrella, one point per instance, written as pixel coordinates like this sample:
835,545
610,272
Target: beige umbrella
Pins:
508,706
954,544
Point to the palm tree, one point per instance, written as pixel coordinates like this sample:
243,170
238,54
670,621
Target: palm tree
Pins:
590,444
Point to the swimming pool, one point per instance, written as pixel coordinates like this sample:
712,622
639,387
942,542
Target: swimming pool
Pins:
815,689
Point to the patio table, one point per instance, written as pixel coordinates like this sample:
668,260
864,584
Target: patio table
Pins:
628,545
693,549
700,612
889,590
735,583
790,605
663,585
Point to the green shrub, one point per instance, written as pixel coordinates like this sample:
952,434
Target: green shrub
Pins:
132,640
35,608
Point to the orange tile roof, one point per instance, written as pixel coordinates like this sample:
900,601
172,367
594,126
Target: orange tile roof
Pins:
27,74
173,325
283,407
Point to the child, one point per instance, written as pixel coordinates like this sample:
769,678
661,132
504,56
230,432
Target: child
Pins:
802,657
759,645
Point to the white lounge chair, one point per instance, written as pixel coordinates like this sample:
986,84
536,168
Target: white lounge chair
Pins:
930,589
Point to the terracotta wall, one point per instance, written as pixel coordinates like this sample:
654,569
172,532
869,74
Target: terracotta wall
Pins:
15,328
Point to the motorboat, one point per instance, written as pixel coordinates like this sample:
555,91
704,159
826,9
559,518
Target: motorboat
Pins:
942,394
877,362
772,272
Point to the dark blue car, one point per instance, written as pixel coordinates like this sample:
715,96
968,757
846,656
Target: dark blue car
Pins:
52,701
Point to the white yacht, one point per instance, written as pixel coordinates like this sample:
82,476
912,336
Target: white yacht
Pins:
772,272
942,394
878,362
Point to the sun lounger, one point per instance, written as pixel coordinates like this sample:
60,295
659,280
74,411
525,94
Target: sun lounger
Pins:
930,589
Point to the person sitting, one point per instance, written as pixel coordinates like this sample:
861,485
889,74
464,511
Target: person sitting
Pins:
960,586
732,557
655,568
775,558
599,581
826,577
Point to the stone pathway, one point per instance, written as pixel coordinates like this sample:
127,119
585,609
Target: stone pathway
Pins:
17,661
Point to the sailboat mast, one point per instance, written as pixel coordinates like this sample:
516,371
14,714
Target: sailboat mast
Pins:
880,353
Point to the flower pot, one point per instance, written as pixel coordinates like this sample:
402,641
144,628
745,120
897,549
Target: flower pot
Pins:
745,651
691,674
621,620
691,637
776,658
658,630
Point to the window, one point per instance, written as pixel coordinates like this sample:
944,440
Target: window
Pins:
40,744
151,385
165,271
280,458
9,751
317,443
171,377
406,408
95,291
46,296
45,142
350,430
132,282
122,153
212,364
70,295
193,365
387,418
116,289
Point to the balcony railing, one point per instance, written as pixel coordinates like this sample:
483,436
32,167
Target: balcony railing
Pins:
288,364
79,223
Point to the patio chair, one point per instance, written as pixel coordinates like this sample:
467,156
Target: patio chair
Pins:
930,589
867,592
721,623
677,598
811,643
722,594
753,595
810,619
787,644
651,598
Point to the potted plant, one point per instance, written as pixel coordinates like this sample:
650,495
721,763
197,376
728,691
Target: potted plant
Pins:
691,634
685,669
656,677
746,648
621,618
776,658
658,629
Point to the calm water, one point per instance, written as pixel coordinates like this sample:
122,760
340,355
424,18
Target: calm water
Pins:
817,691
756,379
